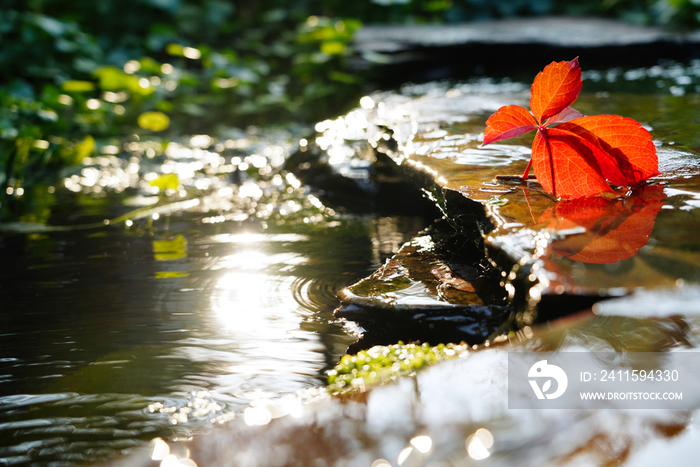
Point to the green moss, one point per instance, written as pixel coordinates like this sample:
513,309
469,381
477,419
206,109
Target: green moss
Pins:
370,287
382,364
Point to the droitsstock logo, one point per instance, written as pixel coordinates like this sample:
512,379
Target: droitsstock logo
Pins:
543,370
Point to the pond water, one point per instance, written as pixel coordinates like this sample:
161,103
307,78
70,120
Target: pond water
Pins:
171,317
164,286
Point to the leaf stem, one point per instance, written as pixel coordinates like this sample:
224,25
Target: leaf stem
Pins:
529,206
543,133
527,170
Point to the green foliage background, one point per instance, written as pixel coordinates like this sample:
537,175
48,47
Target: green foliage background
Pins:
74,72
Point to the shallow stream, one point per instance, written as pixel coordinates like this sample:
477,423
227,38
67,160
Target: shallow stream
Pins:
171,317
163,286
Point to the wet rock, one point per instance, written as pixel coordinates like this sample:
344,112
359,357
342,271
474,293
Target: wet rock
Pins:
359,181
554,257
553,31
464,278
427,52
439,287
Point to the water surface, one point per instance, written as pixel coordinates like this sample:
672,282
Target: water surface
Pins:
163,286
159,312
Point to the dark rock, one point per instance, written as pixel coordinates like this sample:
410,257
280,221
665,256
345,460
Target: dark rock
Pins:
438,288
428,52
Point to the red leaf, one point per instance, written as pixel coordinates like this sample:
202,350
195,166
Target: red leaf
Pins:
627,156
555,88
565,165
615,229
581,155
565,115
508,122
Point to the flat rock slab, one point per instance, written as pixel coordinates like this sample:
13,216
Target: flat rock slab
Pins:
428,52
553,31
554,256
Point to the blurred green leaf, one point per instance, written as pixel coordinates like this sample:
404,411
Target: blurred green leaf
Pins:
74,155
149,65
114,79
154,121
175,49
21,89
166,182
77,86
165,106
332,47
437,5
341,77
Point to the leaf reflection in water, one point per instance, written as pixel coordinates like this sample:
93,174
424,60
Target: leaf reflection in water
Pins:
604,230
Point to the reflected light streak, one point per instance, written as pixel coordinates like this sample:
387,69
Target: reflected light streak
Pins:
403,455
258,238
367,103
477,450
173,461
479,443
256,260
257,416
422,443
245,305
161,450
255,295
258,302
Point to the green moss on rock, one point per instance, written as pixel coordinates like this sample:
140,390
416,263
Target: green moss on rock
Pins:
381,364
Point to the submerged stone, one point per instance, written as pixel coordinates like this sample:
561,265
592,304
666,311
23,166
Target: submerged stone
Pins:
439,287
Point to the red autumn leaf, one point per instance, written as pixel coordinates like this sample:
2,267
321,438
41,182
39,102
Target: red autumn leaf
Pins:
555,88
564,116
579,156
565,165
508,122
632,155
615,230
